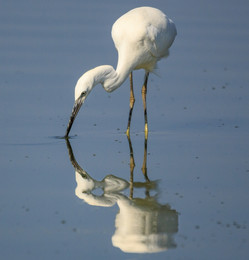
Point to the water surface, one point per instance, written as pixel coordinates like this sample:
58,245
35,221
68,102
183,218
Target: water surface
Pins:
181,195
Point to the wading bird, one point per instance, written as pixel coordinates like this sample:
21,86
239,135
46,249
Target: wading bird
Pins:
142,37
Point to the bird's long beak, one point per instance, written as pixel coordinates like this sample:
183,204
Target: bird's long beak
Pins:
77,105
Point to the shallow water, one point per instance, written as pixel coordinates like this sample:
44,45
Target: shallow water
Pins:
185,196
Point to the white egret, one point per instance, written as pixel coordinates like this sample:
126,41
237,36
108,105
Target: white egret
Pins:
142,37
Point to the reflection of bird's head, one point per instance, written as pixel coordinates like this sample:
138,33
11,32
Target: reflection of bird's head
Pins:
84,182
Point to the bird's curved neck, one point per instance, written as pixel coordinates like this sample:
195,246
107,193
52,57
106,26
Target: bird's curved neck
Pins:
110,78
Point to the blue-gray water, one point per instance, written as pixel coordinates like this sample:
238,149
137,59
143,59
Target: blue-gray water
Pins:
195,205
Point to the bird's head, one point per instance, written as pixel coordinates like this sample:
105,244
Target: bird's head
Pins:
82,90
104,75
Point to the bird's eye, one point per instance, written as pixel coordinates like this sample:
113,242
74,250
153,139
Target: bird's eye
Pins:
83,94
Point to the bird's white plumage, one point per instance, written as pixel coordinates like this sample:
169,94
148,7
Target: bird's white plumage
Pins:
142,37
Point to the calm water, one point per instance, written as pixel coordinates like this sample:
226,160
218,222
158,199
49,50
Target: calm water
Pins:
182,195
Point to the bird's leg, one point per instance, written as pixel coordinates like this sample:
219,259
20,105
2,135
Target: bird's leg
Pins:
144,92
132,101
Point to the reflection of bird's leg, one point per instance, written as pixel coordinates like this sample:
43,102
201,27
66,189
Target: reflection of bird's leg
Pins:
132,166
132,101
144,92
144,167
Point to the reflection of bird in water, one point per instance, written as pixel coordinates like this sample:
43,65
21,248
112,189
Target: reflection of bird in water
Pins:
86,185
142,37
142,224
